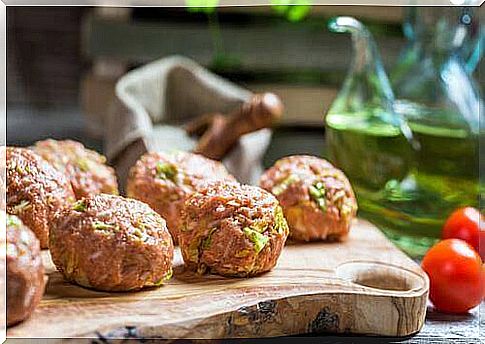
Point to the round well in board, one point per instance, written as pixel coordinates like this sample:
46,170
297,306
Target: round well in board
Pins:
380,276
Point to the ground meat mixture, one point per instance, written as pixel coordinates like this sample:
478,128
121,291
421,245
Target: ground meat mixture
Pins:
317,198
164,181
232,230
86,169
112,243
36,191
25,272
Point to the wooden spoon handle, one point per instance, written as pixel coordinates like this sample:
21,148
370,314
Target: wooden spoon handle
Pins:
199,126
224,132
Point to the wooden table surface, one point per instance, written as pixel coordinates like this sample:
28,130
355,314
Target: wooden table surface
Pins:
438,328
443,328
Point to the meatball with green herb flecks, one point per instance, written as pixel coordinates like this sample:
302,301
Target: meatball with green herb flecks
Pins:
36,191
86,169
317,198
232,230
112,243
25,272
165,180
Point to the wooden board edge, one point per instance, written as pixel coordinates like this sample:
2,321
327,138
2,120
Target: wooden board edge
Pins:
322,314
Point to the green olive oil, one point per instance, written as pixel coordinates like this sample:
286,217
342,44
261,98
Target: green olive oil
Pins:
406,190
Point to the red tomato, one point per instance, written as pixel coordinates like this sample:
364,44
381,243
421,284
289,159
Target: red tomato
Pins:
456,276
464,223
482,240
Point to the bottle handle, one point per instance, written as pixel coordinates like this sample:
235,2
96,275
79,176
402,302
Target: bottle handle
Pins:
472,61
366,80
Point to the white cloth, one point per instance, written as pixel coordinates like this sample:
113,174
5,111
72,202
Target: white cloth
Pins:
153,100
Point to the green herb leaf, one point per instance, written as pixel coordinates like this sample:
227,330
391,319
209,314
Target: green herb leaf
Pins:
193,250
205,6
259,226
19,169
297,13
281,187
317,193
79,206
140,224
165,278
137,232
259,240
208,239
347,206
13,221
243,253
280,225
293,10
103,226
166,171
83,164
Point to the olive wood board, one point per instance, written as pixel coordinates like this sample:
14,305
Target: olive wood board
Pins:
364,285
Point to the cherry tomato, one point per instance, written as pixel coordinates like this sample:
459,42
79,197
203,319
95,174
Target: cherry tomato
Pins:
464,223
456,276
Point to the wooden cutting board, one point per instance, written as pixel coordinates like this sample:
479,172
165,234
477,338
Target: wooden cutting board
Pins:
363,286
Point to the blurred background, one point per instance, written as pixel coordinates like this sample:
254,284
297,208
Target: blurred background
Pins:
63,62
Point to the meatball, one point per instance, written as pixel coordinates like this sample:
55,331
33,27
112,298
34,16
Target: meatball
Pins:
36,191
317,198
164,181
86,169
232,230
112,243
25,272
3,181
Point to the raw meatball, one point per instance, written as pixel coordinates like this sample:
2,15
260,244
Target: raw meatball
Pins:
36,191
3,178
86,169
232,230
112,243
25,272
316,197
164,181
